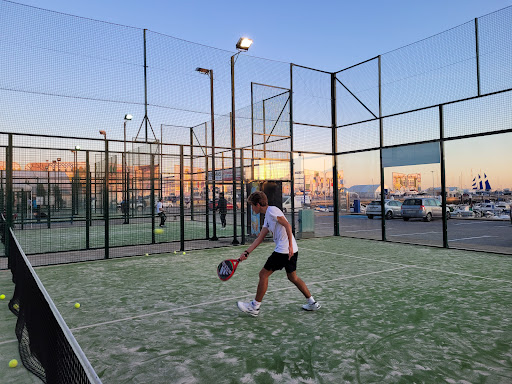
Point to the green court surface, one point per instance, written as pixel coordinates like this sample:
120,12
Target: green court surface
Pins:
391,313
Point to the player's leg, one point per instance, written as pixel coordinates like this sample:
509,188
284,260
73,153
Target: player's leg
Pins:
262,284
301,285
253,307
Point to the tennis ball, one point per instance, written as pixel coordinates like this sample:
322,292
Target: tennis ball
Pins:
175,252
77,305
16,306
147,254
2,297
159,231
184,253
13,363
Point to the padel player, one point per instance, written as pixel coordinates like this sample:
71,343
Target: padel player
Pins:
284,256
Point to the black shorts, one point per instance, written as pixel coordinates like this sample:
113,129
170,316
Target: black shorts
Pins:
278,261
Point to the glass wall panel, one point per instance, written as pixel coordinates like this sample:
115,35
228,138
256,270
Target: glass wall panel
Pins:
359,185
478,187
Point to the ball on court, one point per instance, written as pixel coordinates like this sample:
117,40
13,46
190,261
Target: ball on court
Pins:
175,252
77,305
147,254
13,363
184,253
159,231
2,297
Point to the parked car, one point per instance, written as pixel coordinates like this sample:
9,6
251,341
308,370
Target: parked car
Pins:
423,208
392,208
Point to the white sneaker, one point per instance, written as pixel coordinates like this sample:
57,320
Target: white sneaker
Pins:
248,308
311,307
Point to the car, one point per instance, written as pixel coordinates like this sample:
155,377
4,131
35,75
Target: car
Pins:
392,208
423,208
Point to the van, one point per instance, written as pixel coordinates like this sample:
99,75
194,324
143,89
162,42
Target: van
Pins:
423,208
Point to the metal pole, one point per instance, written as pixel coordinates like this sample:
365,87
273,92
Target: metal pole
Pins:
214,218
152,196
381,144
145,88
334,120
206,184
105,201
10,200
242,202
443,175
87,200
191,175
233,146
125,182
252,132
477,58
182,203
292,170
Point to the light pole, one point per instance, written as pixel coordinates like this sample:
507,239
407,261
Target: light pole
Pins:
242,45
125,206
432,183
303,180
209,72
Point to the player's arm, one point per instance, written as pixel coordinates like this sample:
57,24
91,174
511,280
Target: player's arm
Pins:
288,228
255,243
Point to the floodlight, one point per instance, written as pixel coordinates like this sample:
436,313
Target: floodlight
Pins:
77,147
128,117
203,71
243,44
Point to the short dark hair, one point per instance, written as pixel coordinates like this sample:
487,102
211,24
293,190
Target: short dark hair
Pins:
258,197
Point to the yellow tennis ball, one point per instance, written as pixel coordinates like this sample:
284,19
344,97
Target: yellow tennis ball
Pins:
77,305
16,306
13,363
184,253
159,231
147,254
2,297
175,252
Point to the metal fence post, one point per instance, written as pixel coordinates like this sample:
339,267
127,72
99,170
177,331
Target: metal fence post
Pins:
182,203
242,200
292,170
87,200
381,144
334,122
443,181
106,215
9,198
152,195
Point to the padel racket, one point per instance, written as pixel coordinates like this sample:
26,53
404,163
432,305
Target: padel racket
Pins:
227,268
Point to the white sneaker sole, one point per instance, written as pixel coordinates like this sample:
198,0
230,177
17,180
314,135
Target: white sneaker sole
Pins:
253,314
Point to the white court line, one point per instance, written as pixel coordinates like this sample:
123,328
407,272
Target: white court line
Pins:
470,238
365,230
228,299
413,266
411,234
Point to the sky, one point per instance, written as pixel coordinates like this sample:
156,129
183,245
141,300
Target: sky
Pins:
328,35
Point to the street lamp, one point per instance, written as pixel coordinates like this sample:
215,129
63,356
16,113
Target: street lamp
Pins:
209,72
242,45
126,205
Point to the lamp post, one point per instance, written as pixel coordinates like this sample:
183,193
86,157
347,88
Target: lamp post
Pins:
432,183
242,45
209,72
126,205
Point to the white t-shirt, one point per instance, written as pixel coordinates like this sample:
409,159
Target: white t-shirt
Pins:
279,232
159,207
